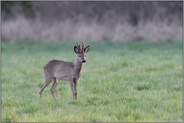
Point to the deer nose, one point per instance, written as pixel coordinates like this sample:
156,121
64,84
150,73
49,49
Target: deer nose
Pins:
84,61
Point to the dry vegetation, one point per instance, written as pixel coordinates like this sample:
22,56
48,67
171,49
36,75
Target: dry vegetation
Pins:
96,21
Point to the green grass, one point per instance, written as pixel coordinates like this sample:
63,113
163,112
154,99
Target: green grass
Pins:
121,82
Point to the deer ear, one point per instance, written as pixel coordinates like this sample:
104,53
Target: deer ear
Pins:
76,50
86,49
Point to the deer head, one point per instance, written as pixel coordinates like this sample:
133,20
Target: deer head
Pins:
81,52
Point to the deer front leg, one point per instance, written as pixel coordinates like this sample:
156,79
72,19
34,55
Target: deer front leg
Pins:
73,85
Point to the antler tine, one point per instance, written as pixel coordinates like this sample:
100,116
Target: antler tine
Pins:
82,46
78,46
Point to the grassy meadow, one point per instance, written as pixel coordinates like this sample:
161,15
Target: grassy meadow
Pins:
121,82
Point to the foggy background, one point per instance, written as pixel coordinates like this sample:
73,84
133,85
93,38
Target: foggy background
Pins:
93,21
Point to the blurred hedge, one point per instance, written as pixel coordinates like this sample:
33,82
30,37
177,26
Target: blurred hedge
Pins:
132,12
92,20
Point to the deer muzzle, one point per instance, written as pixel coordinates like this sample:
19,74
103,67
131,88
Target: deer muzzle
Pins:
84,61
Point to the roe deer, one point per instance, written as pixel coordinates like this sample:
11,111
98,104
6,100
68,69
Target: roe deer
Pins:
61,70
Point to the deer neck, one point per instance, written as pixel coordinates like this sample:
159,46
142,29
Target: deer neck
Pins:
77,68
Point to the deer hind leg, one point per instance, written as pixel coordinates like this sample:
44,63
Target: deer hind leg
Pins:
56,81
48,80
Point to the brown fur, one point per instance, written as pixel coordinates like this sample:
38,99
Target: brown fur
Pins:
61,70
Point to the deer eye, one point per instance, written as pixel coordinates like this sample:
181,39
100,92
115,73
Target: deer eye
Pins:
80,56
